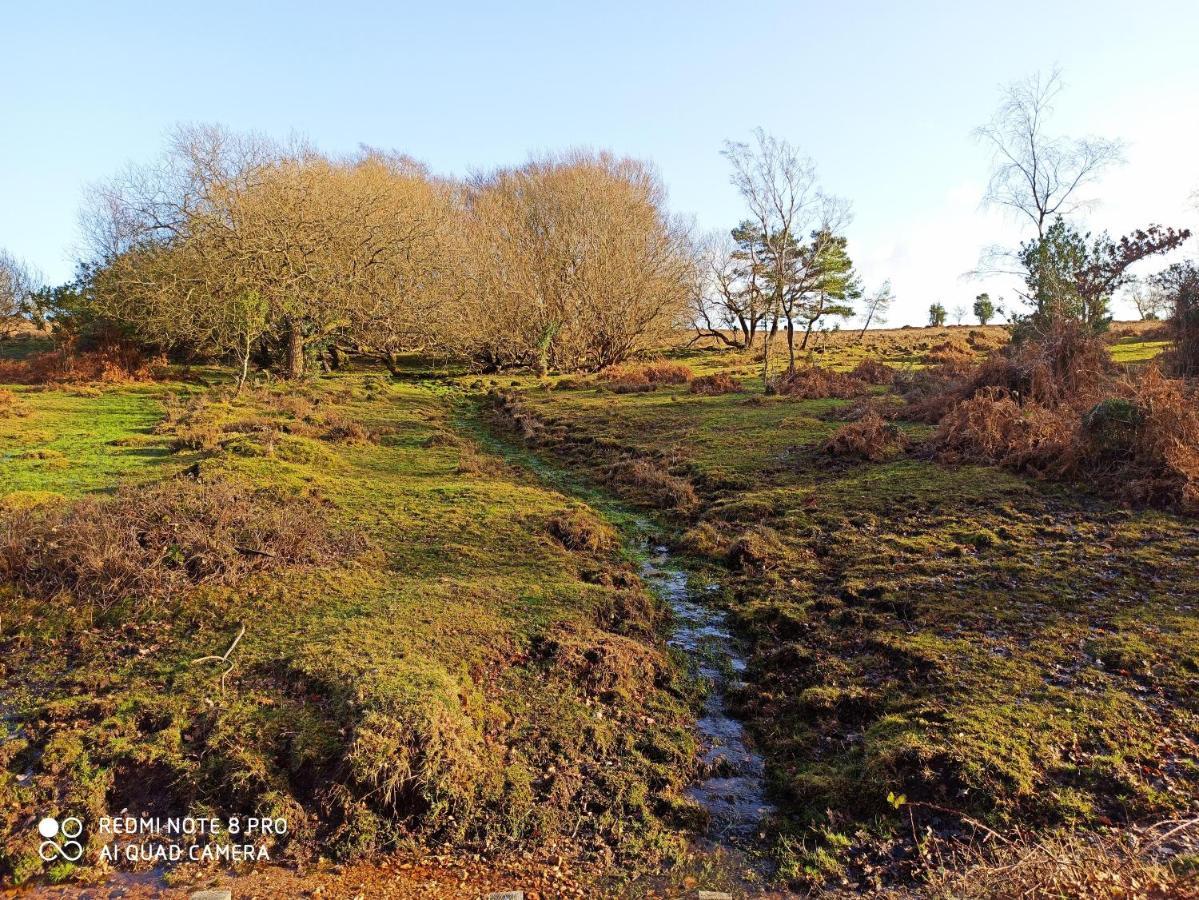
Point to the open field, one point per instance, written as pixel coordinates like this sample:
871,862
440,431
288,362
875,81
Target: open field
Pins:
475,667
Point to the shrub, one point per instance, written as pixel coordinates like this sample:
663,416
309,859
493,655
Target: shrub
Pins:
712,385
930,393
873,371
111,364
1182,282
1154,431
871,438
814,383
991,427
1068,365
629,379
149,544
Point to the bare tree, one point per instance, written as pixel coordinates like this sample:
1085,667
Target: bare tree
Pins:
780,189
575,264
18,282
959,313
1039,175
728,303
1148,297
230,239
876,307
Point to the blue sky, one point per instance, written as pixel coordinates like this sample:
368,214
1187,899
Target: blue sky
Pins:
882,95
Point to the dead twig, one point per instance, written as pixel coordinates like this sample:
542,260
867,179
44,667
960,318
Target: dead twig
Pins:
224,657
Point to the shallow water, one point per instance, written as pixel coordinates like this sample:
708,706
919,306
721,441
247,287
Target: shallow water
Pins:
734,790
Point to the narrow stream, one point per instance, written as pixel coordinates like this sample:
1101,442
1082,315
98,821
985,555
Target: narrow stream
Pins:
733,788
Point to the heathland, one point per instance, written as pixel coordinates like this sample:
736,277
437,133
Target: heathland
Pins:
433,643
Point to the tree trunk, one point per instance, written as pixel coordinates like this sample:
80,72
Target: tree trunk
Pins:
791,345
766,361
862,333
295,351
245,365
807,334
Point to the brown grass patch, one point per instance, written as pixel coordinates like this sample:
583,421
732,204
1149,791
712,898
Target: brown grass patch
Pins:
605,665
951,351
628,379
870,437
1124,865
815,383
712,385
11,406
150,544
758,549
650,482
873,371
581,530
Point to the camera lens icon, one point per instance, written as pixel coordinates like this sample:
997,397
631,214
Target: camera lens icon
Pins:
60,840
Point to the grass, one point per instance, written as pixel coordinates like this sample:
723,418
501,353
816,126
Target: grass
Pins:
72,442
421,690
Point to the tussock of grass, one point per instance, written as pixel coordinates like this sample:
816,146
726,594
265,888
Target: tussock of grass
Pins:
715,384
649,481
582,530
10,405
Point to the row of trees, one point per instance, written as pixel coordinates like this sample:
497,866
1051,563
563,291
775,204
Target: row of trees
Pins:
237,246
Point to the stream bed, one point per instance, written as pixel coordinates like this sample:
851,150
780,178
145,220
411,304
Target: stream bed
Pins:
733,787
